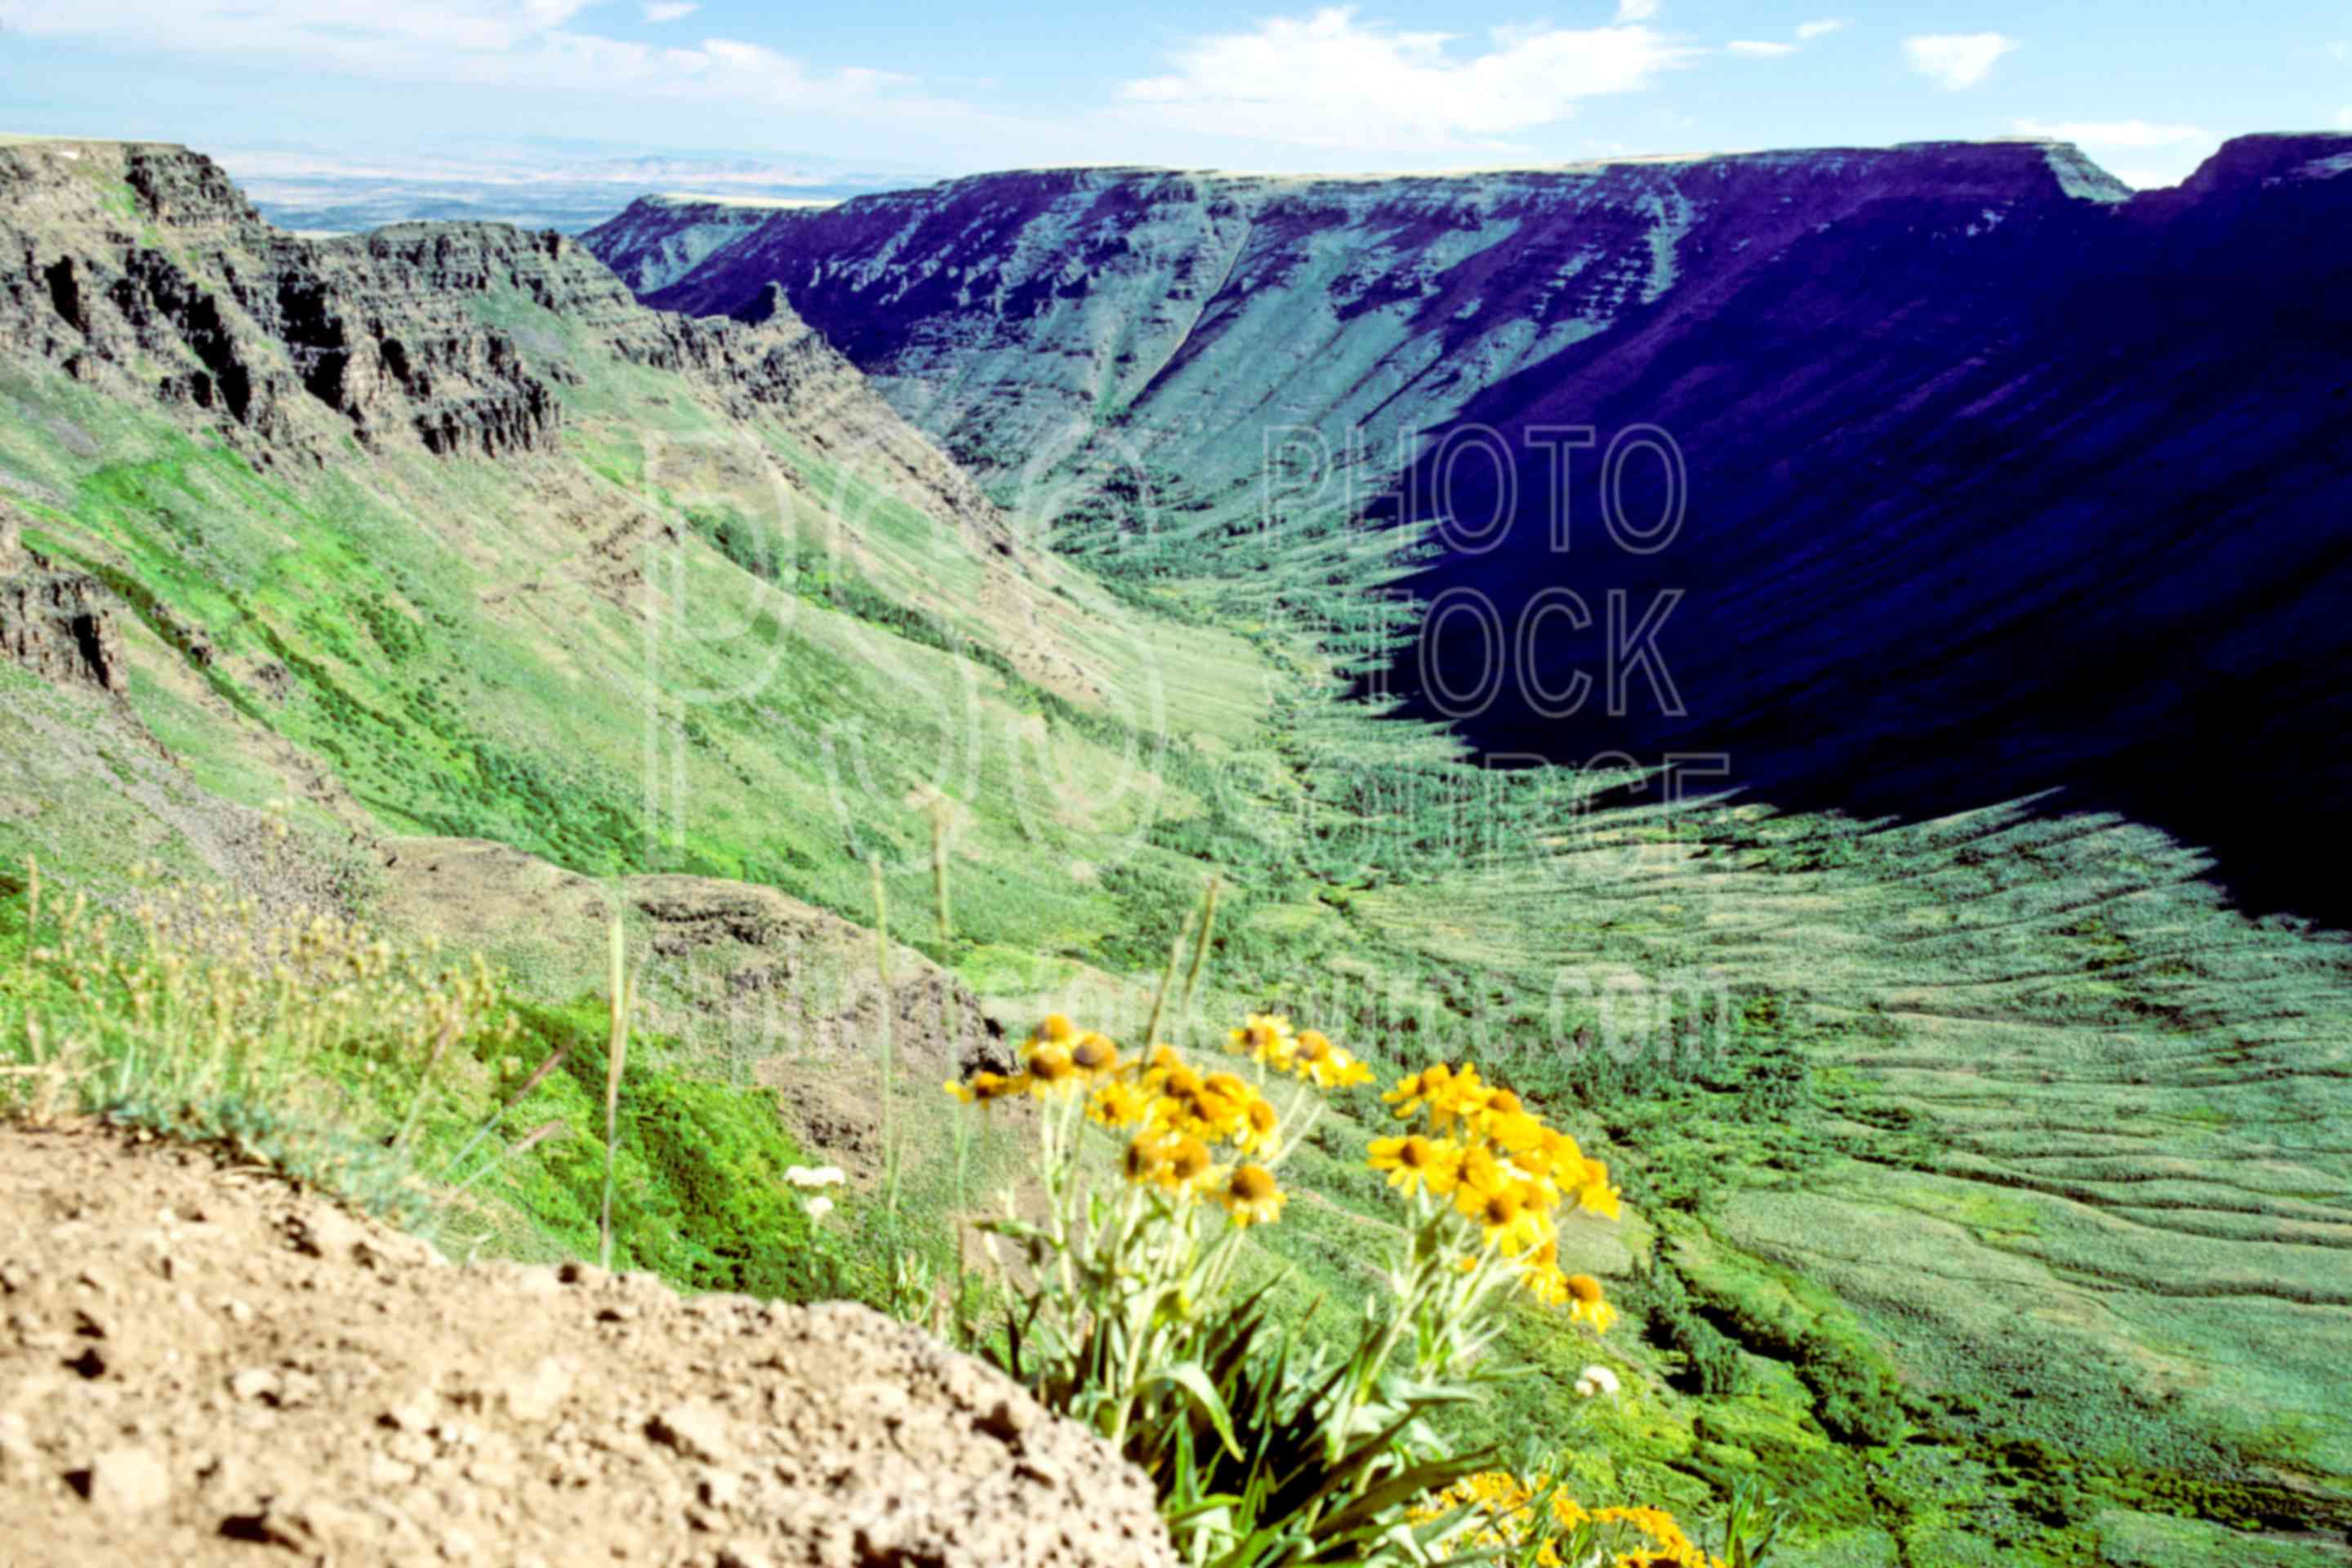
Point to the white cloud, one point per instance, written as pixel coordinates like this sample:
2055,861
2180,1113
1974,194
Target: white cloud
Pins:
1328,80
1955,59
1757,50
1635,10
1808,31
489,44
2344,118
662,11
2116,133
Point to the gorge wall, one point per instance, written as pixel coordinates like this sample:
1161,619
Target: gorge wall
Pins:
1997,477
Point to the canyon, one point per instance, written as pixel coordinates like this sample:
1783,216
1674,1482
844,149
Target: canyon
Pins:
1977,454
726,567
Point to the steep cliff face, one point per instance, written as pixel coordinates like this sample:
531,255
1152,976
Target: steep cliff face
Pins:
1995,477
1010,314
61,625
660,239
2058,504
140,269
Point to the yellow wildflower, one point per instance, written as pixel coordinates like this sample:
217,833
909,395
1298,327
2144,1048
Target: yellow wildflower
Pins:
1171,1077
1593,1193
987,1085
1505,1119
1051,1071
1456,1099
1505,1220
1480,1175
1252,1196
1505,1507
1095,1055
1415,1089
1266,1039
1587,1304
1546,1284
1147,1158
1415,1161
1056,1030
1116,1104
1555,1154
1261,1122
1189,1164
1325,1065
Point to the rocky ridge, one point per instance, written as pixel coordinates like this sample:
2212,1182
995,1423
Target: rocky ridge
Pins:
1010,312
141,269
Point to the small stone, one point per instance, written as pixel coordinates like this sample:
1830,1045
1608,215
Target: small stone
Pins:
535,1394
238,1312
723,1489
414,1414
327,1232
490,1475
126,1480
411,1449
694,1429
17,1452
253,1382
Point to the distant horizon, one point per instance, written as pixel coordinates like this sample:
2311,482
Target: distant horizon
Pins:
316,193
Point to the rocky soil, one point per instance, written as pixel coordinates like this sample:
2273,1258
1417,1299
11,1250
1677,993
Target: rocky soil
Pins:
202,1365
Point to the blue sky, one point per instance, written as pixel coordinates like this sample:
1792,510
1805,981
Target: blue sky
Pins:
942,86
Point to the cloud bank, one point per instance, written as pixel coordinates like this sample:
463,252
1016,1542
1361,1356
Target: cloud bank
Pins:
1330,80
495,43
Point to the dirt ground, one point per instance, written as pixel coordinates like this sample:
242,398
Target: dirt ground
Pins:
203,1365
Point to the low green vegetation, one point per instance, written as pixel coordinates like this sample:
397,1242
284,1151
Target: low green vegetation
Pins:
419,1088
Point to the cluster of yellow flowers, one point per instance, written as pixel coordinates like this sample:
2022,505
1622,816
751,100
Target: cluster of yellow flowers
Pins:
1267,1039
1507,1507
1178,1117
1504,1171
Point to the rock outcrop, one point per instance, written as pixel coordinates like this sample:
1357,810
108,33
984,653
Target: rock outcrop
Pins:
61,625
139,267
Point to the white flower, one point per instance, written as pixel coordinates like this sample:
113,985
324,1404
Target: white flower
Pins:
818,1208
1597,1380
815,1176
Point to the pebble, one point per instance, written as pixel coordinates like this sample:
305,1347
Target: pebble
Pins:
127,1480
695,1429
253,1382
